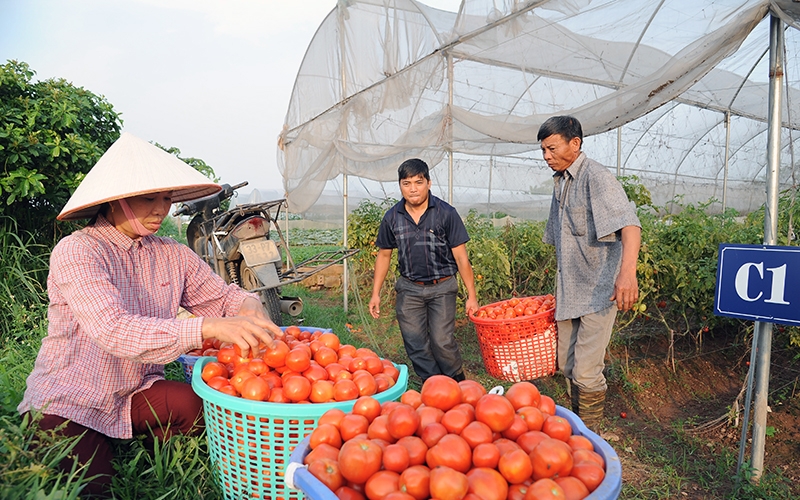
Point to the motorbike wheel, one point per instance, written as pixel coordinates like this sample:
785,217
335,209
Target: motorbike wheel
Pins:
270,297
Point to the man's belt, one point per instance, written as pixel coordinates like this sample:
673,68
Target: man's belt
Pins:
432,282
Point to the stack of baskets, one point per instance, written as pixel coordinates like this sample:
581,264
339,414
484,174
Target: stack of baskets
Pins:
250,442
520,348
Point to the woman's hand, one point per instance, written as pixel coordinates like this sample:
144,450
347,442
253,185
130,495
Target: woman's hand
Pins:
250,327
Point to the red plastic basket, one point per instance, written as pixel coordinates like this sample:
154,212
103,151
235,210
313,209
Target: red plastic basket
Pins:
518,349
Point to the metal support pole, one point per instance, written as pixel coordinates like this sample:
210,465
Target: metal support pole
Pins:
619,150
727,160
764,347
345,281
450,127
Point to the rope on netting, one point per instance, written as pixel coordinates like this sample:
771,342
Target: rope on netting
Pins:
362,316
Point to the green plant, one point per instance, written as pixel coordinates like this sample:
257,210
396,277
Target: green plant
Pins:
51,134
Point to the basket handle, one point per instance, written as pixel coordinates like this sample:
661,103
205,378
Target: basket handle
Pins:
497,390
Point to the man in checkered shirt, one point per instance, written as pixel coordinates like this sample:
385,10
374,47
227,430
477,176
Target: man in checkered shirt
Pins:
597,236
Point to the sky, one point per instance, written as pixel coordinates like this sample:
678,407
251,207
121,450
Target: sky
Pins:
210,77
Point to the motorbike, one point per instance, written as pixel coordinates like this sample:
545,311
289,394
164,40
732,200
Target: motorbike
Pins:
246,246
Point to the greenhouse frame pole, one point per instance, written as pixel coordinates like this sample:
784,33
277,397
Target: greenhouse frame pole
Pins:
345,281
727,160
776,69
450,127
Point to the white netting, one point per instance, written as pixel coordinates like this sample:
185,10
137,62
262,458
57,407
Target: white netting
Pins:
653,84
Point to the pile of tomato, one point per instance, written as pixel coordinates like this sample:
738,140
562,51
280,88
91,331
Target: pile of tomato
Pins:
300,367
517,307
451,441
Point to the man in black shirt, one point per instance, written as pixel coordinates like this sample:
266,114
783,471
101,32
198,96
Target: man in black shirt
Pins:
431,247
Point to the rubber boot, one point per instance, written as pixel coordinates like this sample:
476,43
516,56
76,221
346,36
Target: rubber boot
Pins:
590,407
572,394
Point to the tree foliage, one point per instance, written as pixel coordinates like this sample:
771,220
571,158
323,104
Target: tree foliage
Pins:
51,134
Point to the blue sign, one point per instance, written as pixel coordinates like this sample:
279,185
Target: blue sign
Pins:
759,283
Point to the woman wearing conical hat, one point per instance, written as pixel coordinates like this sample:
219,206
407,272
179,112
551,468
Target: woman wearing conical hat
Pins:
114,291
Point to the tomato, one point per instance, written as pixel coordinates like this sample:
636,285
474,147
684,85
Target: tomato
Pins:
577,442
229,390
589,473
432,433
366,384
323,450
275,355
392,372
297,388
325,356
315,372
359,459
374,365
403,421
456,420
476,433
293,330
217,383
381,484
573,488
334,369
330,340
551,458
440,391
557,427
256,389
388,406
581,455
332,416
545,489
517,491
533,416
416,481
451,451
428,415
399,495
530,439
352,425
327,471
485,455
367,406
471,391
416,448
358,363
276,395
515,466
518,427
523,394
226,355
213,369
346,350
321,391
348,493
487,483
379,429
298,359
506,445
448,484
395,458
238,379
495,411
547,405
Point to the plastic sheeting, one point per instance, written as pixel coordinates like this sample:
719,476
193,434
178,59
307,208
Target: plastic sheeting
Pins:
674,92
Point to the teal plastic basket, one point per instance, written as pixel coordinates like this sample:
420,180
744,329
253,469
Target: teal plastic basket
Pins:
187,361
250,442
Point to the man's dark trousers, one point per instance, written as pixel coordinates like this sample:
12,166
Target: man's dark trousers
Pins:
427,318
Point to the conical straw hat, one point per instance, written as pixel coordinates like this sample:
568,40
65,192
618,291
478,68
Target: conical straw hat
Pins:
133,167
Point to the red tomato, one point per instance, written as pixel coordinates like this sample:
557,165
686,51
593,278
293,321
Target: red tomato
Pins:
545,489
374,365
471,391
238,379
379,429
448,484
581,455
589,473
346,350
348,493
428,415
515,466
395,458
547,405
325,433
495,411
275,355
217,383
403,421
325,356
440,391
577,442
432,433
476,433
359,459
367,406
412,398
315,372
574,489
416,447
485,455
551,458
213,369
523,394
332,416
298,360
327,471
255,388
352,425
365,381
381,484
416,482
321,391
391,371
323,450
455,420
533,416
517,491
518,428
330,340
487,483
530,439
451,451
297,388
557,428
